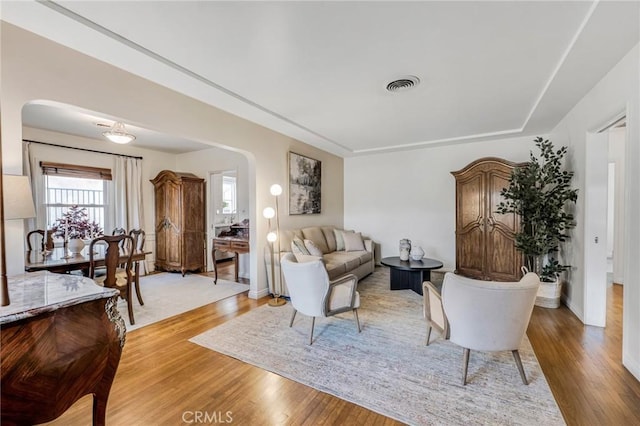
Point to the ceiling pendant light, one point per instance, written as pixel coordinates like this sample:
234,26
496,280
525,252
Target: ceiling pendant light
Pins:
118,134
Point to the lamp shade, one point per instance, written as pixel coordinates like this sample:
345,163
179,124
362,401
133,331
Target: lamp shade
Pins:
276,189
268,212
272,237
118,134
18,201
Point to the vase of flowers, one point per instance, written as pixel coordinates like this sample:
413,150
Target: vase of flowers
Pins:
74,227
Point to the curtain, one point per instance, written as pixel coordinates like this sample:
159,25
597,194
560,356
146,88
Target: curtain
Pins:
128,205
30,168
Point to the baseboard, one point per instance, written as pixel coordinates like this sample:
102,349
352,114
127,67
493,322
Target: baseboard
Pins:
632,365
258,294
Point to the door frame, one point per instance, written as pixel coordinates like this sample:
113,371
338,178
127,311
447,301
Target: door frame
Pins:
595,226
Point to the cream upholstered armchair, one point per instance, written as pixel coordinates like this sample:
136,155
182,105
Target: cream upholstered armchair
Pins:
314,295
433,312
488,315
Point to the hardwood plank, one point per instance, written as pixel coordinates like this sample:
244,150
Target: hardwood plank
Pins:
162,377
583,365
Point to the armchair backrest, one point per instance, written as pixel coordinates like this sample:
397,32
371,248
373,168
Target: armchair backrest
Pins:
308,284
488,315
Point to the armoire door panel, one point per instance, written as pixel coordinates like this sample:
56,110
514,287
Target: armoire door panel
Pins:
470,201
471,260
174,205
506,260
496,181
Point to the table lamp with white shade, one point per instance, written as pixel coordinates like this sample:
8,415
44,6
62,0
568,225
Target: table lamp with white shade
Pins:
17,203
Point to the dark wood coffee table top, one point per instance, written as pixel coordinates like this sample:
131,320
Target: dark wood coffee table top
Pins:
411,265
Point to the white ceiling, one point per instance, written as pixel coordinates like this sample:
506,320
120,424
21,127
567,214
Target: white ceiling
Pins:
317,71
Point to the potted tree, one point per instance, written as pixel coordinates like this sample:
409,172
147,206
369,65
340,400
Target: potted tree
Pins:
540,192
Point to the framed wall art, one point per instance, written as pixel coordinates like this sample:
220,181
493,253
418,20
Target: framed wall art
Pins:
305,176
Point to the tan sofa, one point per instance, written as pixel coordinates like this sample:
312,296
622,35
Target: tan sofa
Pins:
338,262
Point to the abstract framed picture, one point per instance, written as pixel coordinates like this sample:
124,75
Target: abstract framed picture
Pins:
305,176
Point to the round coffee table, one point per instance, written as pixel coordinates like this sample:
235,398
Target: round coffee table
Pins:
409,274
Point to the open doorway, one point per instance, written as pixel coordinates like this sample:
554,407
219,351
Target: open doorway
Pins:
615,216
604,216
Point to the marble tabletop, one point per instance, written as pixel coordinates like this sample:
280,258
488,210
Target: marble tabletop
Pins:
34,293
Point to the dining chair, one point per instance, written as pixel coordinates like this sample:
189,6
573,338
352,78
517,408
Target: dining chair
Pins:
314,295
46,239
115,277
119,231
139,238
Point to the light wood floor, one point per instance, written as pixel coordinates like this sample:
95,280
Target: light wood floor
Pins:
165,380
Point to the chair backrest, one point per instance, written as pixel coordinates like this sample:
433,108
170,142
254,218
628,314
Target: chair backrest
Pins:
308,284
488,315
119,231
432,306
139,238
117,245
46,239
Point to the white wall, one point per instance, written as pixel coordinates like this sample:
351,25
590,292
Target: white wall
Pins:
616,92
411,194
34,68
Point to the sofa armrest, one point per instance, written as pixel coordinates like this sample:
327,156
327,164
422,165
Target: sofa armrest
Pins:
368,244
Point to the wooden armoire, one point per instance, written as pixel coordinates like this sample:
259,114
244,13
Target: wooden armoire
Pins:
485,244
180,222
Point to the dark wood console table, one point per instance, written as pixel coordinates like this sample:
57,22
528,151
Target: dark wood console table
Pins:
61,339
230,244
410,274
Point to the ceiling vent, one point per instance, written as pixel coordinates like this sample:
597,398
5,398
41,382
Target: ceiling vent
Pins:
403,84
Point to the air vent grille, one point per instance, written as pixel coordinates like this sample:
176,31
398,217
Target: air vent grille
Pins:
402,84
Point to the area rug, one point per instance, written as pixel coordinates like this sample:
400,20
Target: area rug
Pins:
169,294
387,368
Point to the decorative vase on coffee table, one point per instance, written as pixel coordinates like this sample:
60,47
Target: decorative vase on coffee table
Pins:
405,249
417,253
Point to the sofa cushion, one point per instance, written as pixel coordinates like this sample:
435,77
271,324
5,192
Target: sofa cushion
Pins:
348,256
312,248
315,234
337,233
353,241
364,256
286,238
301,258
330,237
335,270
298,247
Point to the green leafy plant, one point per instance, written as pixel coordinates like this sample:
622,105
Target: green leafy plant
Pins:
74,223
540,193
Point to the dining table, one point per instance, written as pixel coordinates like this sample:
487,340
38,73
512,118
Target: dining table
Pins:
61,260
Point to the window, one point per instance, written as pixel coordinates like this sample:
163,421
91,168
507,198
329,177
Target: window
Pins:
228,194
68,185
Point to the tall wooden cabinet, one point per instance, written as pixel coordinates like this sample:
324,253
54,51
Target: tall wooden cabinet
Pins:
180,222
485,245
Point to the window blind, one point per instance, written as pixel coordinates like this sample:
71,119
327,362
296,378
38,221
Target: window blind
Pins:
72,170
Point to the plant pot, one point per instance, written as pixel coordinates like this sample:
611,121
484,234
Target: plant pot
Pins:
549,294
75,245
